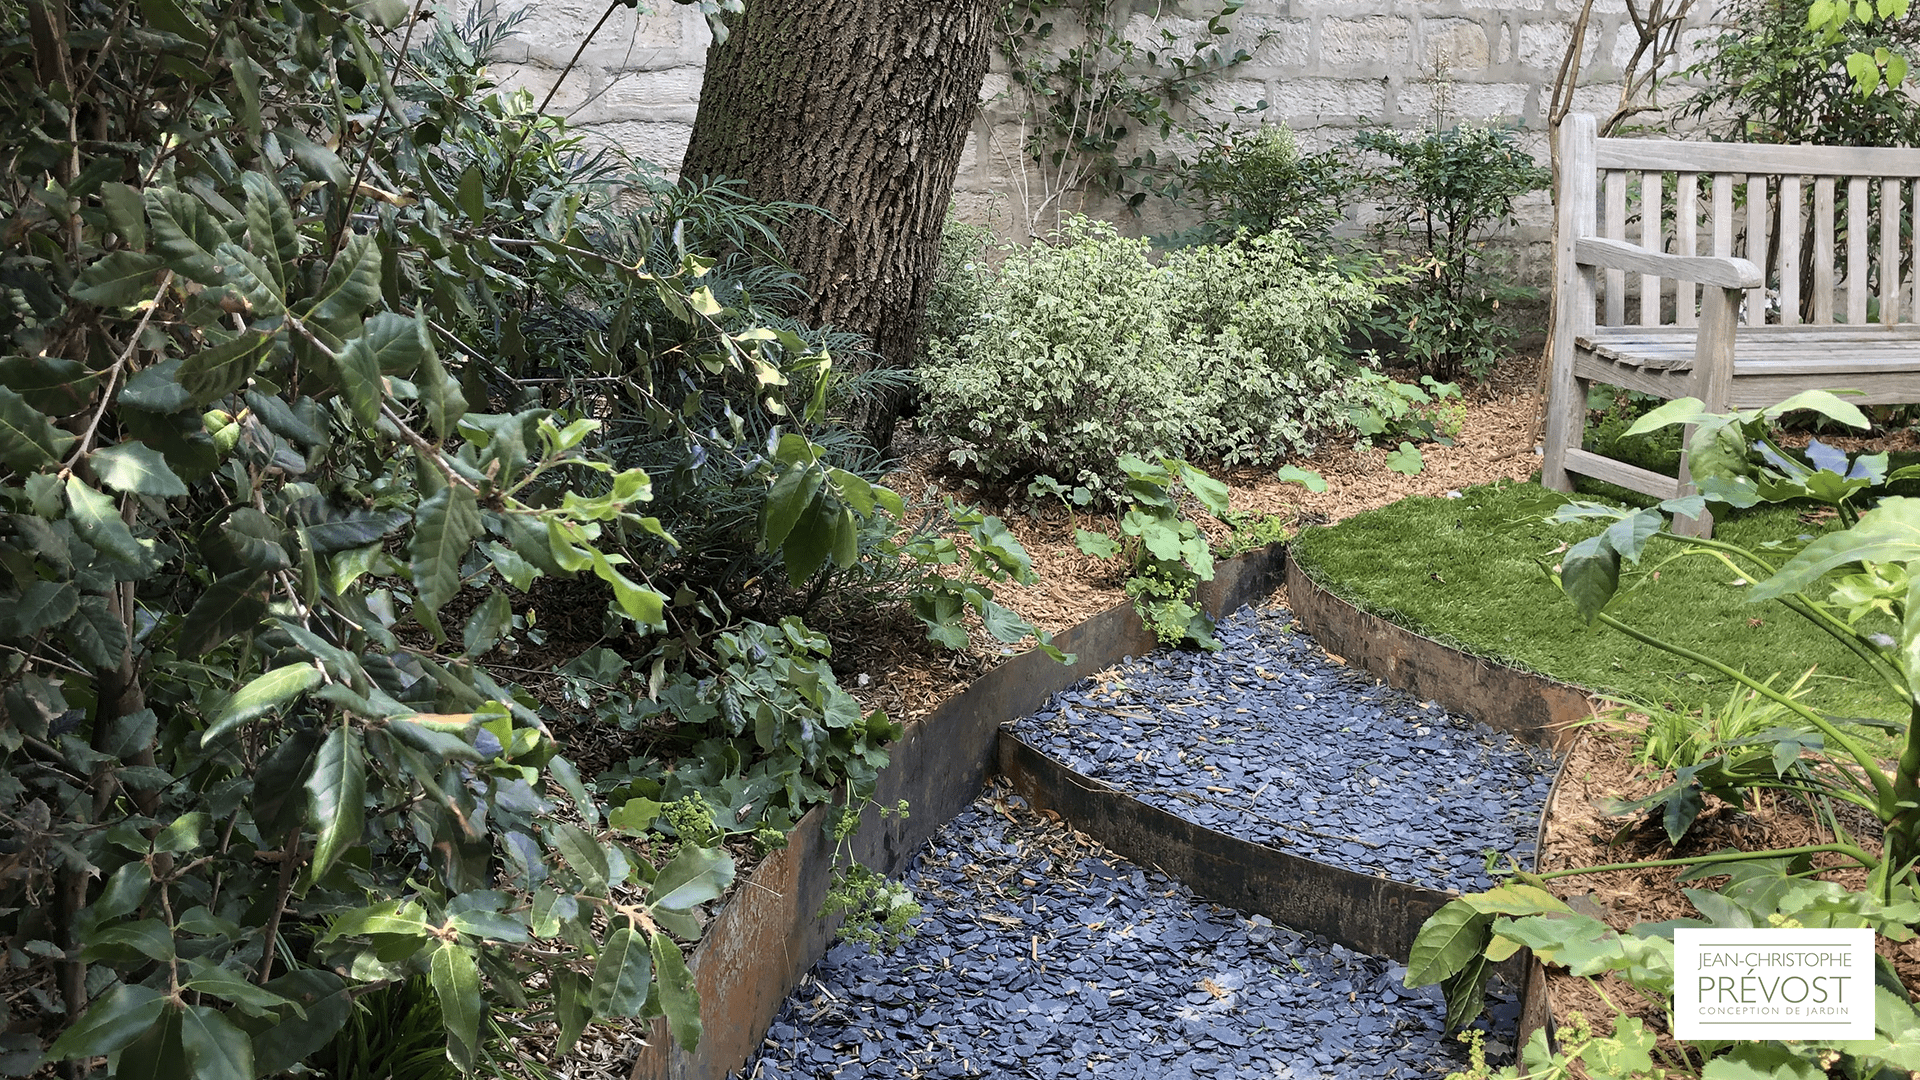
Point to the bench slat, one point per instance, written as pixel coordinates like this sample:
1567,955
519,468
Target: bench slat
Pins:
1651,238
1757,247
1789,250
1627,476
1823,251
1747,158
1857,249
1616,226
1890,251
1686,241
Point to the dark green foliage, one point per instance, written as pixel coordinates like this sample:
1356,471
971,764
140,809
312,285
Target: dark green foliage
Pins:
1258,181
1441,194
318,355
1769,79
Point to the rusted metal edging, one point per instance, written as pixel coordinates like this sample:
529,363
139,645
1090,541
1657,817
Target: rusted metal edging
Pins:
1532,707
769,933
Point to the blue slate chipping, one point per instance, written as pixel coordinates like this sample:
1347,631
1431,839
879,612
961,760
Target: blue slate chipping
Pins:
1273,741
1041,956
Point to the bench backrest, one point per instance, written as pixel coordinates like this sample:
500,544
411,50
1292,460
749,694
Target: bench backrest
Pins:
1840,220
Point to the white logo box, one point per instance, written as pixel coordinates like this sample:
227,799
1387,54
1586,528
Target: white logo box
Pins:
1773,983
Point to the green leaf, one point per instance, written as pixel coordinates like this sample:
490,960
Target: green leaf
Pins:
1097,544
54,385
571,1007
98,522
252,281
402,916
124,891
1446,943
213,373
490,620
114,1020
126,213
42,605
621,975
122,279
1213,494
352,285
228,985
446,527
156,1054
230,605
184,235
1590,575
270,228
584,855
440,395
679,997
328,1004
1466,992
183,834
1307,478
136,468
1406,460
695,876
1890,532
28,440
456,982
1515,900
337,792
124,942
791,496
261,696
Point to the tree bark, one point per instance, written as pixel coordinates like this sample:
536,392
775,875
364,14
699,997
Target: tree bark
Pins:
860,108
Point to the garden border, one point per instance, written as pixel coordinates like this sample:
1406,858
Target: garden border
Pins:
769,932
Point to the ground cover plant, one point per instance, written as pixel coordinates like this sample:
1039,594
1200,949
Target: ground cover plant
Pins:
1472,572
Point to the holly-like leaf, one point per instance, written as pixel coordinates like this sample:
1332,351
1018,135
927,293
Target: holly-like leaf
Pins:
583,854
184,235
621,975
136,468
328,1004
679,998
351,286
28,440
98,522
41,605
270,228
337,792
122,279
490,620
213,373
233,603
261,696
446,527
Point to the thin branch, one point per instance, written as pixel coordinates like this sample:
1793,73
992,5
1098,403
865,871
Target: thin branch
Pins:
113,378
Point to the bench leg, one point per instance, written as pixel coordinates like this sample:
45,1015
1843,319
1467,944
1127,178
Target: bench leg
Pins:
1566,426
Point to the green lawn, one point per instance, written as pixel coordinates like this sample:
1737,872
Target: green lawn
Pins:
1467,572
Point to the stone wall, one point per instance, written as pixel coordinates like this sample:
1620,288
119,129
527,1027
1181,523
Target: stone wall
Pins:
1323,66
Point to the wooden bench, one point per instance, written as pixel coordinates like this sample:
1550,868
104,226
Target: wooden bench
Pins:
1728,326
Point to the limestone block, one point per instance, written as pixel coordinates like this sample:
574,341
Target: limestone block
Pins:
1543,44
574,91
1490,101
1307,103
1509,5
630,39
1596,99
1375,43
1455,46
982,207
1236,100
974,165
1286,44
662,144
673,94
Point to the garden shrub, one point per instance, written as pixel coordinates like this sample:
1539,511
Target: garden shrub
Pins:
1440,194
1084,350
1259,181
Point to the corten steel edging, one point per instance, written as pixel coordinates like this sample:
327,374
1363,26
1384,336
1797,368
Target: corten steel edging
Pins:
1540,710
769,934
1373,915
1531,707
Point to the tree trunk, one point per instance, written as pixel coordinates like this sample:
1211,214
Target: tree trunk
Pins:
861,108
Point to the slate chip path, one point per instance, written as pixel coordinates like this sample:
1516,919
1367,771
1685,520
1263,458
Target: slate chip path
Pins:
1040,956
1273,741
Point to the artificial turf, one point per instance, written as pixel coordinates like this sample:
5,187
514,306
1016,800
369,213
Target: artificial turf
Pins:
1467,572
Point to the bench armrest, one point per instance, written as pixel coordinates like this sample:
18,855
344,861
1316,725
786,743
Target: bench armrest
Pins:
1728,273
